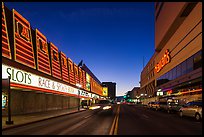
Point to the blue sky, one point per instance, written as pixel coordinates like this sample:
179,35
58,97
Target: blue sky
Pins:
110,37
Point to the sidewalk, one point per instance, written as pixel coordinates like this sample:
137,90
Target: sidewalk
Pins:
34,117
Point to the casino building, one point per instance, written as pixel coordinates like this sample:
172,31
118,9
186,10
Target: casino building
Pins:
175,68
42,77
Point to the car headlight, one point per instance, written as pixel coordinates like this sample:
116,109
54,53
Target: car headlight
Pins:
94,107
106,107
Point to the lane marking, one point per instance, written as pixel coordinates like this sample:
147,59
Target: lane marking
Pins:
114,126
145,116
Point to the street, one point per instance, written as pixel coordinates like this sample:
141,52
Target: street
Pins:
132,120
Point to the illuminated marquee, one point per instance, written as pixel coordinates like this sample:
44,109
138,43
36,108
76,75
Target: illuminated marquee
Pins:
6,52
29,80
64,66
23,47
43,60
165,60
56,71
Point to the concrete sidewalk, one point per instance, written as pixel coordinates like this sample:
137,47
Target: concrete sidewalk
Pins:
19,120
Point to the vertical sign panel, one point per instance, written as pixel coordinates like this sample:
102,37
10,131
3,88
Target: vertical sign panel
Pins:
71,72
6,52
23,47
43,60
88,82
56,71
84,79
80,77
76,73
64,66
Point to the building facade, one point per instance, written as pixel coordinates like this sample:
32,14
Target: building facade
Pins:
42,77
178,51
111,89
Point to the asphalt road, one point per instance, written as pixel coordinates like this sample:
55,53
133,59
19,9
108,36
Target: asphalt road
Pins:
125,120
138,120
90,122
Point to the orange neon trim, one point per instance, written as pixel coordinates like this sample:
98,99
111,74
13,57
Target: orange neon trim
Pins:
16,14
5,45
25,51
5,37
43,60
23,42
44,65
26,54
43,69
41,35
21,58
5,49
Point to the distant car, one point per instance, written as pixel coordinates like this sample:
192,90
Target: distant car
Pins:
103,105
192,109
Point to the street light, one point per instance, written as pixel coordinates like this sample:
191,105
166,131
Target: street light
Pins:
79,86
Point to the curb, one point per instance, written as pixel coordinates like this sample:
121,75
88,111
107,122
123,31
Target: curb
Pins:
23,124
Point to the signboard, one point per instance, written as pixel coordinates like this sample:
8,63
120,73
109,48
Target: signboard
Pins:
56,70
80,77
43,60
88,82
105,91
28,79
23,47
6,52
4,100
64,66
165,60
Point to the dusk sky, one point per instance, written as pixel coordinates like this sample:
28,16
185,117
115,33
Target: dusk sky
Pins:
110,37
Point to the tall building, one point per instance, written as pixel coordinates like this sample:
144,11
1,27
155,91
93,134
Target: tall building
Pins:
111,89
177,60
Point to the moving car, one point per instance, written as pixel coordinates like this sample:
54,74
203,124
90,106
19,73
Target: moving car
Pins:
192,109
103,105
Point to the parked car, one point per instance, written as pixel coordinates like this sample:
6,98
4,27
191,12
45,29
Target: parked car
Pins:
153,105
149,105
170,106
156,105
192,109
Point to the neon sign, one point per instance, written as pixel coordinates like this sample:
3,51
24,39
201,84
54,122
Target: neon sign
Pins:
165,60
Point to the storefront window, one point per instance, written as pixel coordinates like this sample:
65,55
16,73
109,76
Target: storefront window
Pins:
183,68
189,64
170,75
178,70
174,73
197,60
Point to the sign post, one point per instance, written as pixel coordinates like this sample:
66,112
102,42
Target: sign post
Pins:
6,84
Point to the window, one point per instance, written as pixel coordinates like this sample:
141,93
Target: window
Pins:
174,73
189,64
197,60
183,68
178,70
170,75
